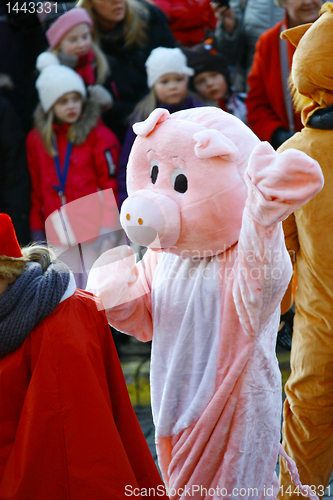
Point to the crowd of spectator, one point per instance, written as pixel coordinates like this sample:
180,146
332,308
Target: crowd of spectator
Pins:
235,59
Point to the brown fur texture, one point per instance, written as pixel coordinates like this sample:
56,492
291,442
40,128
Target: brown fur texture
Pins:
312,79
299,100
327,7
11,268
308,407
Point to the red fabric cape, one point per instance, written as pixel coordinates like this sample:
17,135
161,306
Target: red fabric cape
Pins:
67,426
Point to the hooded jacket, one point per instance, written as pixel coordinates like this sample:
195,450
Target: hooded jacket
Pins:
92,167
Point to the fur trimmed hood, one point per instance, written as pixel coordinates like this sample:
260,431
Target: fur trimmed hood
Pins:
81,129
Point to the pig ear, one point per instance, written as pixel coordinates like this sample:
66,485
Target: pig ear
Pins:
157,116
210,143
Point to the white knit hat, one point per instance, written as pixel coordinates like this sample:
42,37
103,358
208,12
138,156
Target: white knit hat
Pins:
162,61
56,80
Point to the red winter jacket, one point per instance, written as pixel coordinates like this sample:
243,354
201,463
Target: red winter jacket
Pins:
265,100
189,19
93,166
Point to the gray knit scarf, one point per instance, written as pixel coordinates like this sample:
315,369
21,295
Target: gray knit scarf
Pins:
32,297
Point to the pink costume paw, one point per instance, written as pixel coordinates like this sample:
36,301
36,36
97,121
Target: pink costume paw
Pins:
112,276
279,183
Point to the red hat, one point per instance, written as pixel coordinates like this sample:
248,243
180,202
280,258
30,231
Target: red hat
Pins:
12,261
9,246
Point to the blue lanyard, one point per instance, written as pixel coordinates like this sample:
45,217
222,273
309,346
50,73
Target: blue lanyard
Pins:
62,175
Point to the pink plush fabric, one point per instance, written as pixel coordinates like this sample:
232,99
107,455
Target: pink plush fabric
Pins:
210,302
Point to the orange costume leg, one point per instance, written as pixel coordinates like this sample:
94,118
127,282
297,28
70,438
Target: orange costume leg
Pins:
308,410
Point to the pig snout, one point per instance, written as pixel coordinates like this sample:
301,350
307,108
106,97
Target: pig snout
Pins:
150,219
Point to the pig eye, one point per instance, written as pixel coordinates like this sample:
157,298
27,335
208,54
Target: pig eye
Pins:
179,180
153,171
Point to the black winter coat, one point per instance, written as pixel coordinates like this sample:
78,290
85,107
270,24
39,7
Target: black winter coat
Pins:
128,81
14,174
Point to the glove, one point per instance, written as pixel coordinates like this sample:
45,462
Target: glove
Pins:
38,236
101,96
280,135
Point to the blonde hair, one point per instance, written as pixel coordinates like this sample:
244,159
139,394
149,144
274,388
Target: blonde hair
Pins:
47,129
11,268
144,107
47,132
102,65
39,253
135,22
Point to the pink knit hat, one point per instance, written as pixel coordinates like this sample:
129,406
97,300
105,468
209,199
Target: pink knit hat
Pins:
66,22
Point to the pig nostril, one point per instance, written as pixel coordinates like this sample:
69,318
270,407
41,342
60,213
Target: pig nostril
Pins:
140,221
128,216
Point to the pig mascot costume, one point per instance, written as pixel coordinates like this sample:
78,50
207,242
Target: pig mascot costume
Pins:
207,198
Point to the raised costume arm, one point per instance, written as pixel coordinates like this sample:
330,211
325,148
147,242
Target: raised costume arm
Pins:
278,184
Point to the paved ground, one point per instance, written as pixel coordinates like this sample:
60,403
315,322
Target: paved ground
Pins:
135,361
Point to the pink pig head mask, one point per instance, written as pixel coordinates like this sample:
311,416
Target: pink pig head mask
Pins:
185,181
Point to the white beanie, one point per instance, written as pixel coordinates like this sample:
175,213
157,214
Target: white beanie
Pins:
162,61
55,81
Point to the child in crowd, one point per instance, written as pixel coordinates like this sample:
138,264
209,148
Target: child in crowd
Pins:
168,75
71,155
212,81
71,44
67,426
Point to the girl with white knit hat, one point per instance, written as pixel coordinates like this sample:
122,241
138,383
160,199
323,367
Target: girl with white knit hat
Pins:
71,154
167,77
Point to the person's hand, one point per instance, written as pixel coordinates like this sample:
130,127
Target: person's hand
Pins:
112,275
279,136
226,16
101,96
